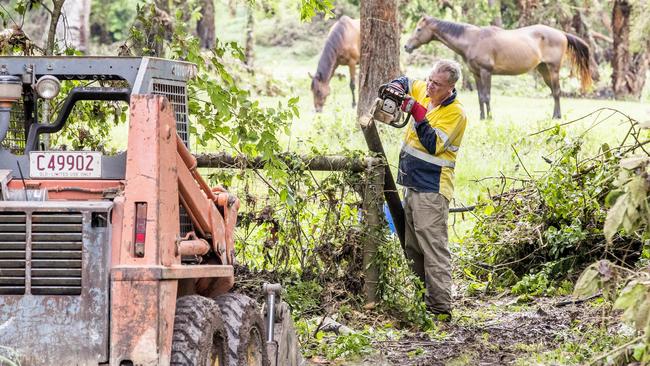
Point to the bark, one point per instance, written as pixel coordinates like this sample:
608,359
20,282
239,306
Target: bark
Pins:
527,9
73,27
628,69
57,5
315,163
205,27
379,49
249,51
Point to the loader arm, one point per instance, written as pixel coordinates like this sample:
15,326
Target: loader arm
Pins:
214,218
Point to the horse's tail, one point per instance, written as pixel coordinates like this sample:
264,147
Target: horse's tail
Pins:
579,55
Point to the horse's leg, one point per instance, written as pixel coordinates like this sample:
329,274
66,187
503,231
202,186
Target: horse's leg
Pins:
554,72
486,80
479,90
551,77
353,71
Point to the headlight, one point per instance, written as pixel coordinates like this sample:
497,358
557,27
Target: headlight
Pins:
48,87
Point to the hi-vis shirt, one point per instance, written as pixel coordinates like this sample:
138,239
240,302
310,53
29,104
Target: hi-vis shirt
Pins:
428,155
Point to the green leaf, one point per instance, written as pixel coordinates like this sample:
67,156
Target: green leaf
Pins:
489,210
639,351
635,303
615,217
589,282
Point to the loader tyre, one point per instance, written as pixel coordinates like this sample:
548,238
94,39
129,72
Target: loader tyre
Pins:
245,328
199,337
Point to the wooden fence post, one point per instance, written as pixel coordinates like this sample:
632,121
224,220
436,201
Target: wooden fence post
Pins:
373,199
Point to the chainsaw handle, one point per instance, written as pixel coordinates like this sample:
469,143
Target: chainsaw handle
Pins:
400,125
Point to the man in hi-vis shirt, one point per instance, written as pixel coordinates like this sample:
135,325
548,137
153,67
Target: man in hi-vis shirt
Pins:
426,170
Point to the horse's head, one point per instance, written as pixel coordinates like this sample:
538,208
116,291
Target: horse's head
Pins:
424,33
321,89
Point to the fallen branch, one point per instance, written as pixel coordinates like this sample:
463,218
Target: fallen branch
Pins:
578,301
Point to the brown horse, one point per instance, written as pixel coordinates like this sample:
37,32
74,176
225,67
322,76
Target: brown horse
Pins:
492,50
341,48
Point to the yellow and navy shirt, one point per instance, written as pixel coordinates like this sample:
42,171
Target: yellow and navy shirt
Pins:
428,155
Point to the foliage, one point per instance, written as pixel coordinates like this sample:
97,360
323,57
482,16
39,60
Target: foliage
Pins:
349,346
542,283
630,212
554,220
309,8
400,290
110,20
304,297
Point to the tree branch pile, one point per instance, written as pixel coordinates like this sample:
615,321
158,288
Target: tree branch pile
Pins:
554,222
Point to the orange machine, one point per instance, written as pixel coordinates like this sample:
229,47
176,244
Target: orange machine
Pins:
119,260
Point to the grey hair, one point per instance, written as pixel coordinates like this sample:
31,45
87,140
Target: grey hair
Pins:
452,68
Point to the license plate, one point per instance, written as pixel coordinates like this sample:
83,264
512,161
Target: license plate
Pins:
65,164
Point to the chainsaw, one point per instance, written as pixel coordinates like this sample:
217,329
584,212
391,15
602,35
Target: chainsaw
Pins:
386,108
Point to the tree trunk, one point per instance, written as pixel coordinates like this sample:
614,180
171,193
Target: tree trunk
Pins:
628,70
249,51
205,28
379,49
57,5
73,27
526,10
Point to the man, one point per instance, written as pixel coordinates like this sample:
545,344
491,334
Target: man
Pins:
426,170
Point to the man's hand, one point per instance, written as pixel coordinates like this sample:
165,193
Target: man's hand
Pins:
417,110
397,85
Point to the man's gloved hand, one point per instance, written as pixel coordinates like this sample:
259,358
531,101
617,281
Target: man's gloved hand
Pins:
396,85
417,110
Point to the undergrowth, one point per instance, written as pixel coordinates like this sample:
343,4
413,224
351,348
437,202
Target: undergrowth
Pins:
538,231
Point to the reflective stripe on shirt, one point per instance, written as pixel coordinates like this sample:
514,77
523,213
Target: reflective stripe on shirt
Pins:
427,157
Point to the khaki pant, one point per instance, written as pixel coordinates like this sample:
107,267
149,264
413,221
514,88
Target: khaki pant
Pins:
426,245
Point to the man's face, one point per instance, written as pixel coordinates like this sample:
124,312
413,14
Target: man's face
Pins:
438,87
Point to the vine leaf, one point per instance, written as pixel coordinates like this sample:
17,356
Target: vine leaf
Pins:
615,217
635,303
589,281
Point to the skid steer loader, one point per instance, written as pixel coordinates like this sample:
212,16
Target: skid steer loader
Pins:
121,260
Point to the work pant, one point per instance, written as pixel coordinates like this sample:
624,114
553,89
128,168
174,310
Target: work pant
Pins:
427,246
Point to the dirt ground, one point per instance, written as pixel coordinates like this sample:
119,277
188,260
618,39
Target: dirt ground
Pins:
491,332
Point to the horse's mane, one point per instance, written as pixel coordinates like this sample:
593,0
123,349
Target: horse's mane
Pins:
451,28
334,43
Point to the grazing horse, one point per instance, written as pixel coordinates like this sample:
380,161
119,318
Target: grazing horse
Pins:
341,48
493,50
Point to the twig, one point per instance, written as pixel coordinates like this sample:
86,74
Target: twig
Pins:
615,350
578,301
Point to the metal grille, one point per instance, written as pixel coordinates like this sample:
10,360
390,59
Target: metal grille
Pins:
56,250
15,139
176,93
186,222
13,235
57,242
